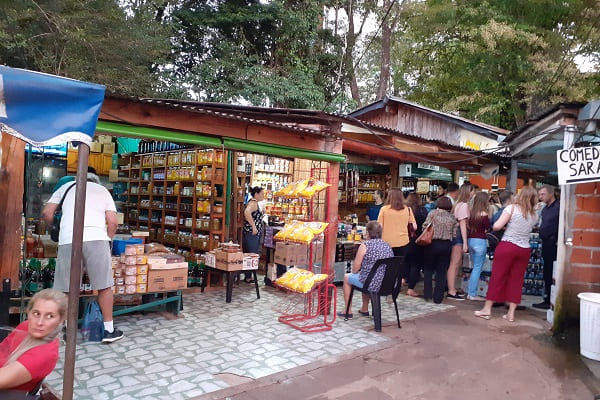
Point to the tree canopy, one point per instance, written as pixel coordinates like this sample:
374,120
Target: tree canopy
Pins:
91,40
491,60
495,60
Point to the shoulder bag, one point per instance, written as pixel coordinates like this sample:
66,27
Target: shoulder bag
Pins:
55,228
412,233
426,237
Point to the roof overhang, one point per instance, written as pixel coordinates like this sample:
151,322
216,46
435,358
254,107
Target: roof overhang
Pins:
535,144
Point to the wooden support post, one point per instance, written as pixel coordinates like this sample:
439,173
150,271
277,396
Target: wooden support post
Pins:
11,206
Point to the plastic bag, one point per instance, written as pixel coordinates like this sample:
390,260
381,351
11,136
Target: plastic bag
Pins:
92,328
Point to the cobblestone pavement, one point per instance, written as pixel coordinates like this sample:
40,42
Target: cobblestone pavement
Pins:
162,358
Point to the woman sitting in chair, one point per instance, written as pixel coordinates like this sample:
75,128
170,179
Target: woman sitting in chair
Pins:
371,250
30,352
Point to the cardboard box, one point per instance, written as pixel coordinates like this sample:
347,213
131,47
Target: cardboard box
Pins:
103,139
96,147
113,175
225,266
301,251
210,259
160,280
163,266
50,248
272,272
317,251
230,258
108,148
250,261
285,253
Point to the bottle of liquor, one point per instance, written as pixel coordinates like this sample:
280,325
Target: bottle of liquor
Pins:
87,285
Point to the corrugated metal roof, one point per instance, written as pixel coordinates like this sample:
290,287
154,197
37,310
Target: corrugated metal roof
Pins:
285,118
532,120
242,113
480,127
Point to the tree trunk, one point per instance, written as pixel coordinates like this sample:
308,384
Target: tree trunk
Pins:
351,36
11,206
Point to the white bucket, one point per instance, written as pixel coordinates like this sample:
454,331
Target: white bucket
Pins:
589,325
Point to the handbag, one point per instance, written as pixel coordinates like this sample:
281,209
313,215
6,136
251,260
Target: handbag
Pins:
426,237
55,228
412,233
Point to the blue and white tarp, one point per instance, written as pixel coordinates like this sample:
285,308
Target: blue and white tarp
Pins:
46,109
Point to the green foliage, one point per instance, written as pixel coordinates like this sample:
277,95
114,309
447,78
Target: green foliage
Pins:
495,60
265,53
91,40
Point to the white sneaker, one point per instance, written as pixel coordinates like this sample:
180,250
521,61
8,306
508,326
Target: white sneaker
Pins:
475,298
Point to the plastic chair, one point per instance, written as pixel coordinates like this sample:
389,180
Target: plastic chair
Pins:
390,285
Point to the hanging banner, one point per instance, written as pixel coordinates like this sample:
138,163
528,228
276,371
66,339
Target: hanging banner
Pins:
580,164
44,109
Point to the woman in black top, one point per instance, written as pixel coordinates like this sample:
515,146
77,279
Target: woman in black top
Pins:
415,255
253,225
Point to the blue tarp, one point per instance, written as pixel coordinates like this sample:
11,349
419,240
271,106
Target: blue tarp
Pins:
45,109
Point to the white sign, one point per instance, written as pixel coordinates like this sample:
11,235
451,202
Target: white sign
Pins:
576,165
428,166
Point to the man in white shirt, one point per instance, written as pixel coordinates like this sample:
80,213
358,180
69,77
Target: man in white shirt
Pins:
100,225
452,193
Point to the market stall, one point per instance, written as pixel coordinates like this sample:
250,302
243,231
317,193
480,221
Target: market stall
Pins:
65,110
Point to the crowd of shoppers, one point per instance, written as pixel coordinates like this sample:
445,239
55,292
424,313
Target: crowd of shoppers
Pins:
465,220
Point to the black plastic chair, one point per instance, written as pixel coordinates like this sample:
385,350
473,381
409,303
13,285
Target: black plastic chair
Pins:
390,285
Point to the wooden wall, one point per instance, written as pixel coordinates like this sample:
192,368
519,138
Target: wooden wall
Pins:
11,206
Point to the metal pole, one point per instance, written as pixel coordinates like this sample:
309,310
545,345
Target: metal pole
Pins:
76,259
512,178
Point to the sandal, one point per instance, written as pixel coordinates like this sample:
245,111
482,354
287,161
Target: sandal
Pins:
249,280
482,315
344,315
505,317
363,313
412,293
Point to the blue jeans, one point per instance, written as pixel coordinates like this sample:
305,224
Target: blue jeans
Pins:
478,251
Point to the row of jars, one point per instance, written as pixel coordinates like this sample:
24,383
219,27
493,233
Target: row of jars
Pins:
184,158
281,208
187,157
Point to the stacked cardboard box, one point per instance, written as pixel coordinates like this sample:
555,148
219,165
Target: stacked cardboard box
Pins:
167,272
291,253
130,271
228,261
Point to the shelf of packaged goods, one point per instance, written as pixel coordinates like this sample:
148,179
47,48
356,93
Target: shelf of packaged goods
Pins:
187,211
178,180
363,188
184,227
171,195
272,172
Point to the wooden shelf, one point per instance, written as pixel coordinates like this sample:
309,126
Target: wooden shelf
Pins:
272,172
137,180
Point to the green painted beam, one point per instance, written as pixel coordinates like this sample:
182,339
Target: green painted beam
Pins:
282,151
142,132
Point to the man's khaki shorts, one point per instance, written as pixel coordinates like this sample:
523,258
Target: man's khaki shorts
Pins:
96,260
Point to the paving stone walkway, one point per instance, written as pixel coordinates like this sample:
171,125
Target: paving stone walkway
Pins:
182,358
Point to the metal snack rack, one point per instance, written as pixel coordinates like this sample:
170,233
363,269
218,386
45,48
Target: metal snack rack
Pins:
312,311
